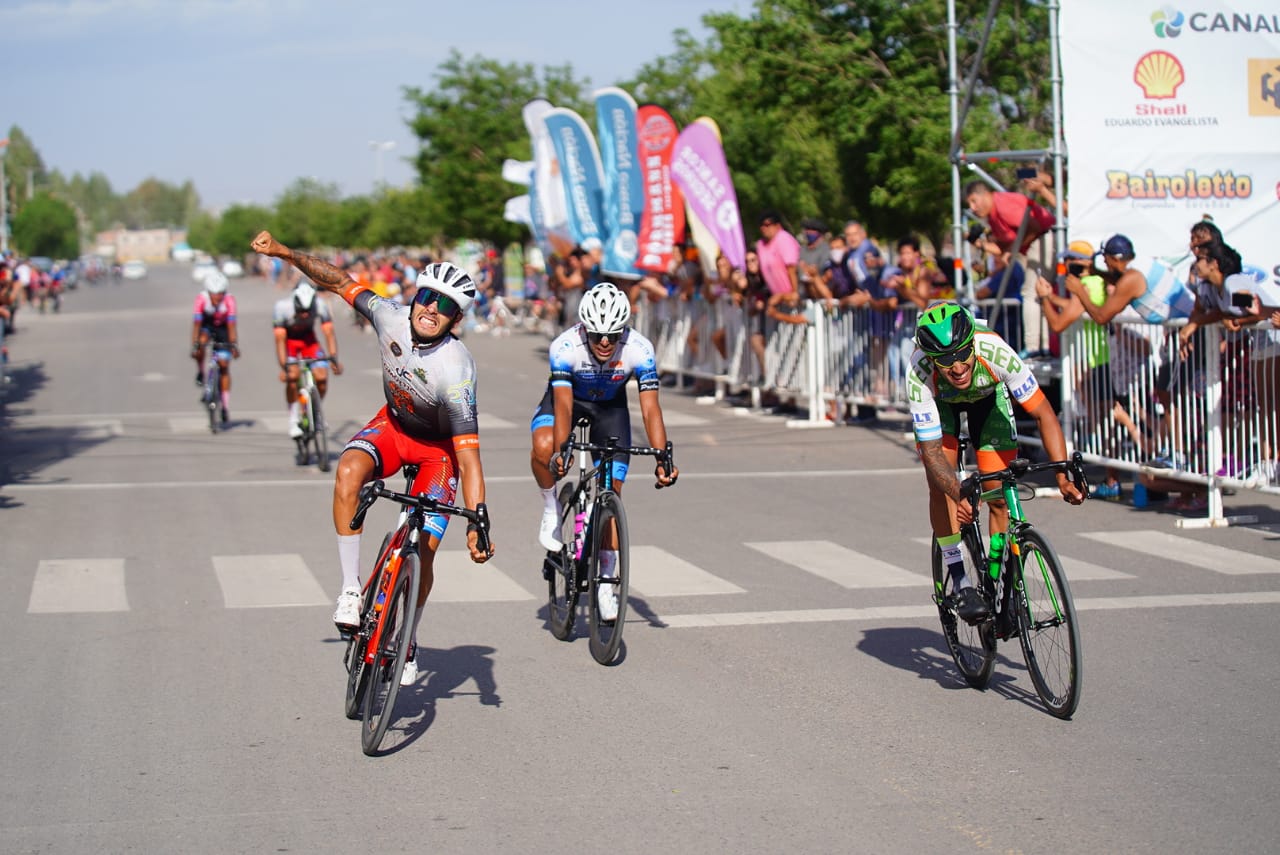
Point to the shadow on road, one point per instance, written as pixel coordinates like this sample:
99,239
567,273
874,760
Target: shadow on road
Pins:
440,674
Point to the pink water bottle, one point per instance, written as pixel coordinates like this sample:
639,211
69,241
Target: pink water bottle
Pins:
579,523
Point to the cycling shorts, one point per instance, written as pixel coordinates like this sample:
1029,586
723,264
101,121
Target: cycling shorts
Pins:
217,334
991,428
391,448
608,418
301,348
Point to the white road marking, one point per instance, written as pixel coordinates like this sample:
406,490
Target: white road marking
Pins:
1184,550
189,424
1074,567
837,564
657,573
927,611
671,418
491,422
153,377
78,585
460,580
267,581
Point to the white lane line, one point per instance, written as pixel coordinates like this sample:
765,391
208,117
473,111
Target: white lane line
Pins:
657,573
459,580
189,424
65,585
1076,569
267,581
835,563
672,418
492,422
1184,550
927,611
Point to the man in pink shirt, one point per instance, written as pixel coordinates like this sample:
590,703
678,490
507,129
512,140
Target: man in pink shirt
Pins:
779,253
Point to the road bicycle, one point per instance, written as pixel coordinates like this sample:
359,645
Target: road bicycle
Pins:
1022,580
589,510
315,435
211,398
377,650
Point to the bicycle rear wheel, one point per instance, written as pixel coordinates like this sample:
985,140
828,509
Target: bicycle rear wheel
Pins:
212,394
389,659
562,583
1048,629
606,635
972,646
319,436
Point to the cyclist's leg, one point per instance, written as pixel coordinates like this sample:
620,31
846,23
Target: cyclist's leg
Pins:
370,453
611,419
542,429
995,440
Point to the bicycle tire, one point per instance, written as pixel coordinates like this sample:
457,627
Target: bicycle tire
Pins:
393,649
319,437
973,647
606,636
357,673
562,583
212,391
1048,629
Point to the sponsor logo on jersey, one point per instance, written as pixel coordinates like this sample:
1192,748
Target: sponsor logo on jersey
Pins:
462,393
421,374
395,348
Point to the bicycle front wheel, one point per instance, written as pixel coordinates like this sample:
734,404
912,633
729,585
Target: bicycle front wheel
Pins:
606,634
389,658
972,646
1047,625
212,394
358,670
319,436
562,583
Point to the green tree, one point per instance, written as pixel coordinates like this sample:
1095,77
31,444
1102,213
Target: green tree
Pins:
24,169
46,226
396,219
157,204
306,214
236,228
467,126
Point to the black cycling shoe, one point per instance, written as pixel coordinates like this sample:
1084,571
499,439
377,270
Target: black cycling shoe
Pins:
971,606
199,378
225,417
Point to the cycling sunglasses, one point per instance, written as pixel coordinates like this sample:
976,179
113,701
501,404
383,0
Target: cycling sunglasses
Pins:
946,360
598,337
444,305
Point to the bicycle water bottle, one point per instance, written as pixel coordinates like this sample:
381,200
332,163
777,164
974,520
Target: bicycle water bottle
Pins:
996,553
579,523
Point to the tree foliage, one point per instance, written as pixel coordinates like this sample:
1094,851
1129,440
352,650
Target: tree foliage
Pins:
46,226
235,229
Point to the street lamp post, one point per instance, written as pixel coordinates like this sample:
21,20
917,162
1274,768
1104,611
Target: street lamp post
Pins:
378,149
4,201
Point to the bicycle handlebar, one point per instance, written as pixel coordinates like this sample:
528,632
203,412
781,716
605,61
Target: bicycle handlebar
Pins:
665,456
1019,467
374,490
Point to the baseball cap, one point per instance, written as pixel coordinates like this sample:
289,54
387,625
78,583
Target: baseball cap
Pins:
1081,249
770,218
592,243
813,224
1118,246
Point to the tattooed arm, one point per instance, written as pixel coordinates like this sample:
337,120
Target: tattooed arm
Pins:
325,275
939,471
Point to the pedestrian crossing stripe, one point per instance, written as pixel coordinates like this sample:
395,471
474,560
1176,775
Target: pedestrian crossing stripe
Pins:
283,581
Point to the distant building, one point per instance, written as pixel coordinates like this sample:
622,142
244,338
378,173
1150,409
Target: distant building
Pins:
152,245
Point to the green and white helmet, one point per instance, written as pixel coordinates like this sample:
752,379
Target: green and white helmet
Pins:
944,328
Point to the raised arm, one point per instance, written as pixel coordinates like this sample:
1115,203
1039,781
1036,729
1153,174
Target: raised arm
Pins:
325,275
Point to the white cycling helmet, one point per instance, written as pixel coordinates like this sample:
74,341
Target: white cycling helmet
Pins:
604,309
304,296
451,281
215,282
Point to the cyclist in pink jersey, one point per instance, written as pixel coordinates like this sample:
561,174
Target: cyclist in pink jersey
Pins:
214,324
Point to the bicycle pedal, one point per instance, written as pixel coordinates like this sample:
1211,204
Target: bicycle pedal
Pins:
346,633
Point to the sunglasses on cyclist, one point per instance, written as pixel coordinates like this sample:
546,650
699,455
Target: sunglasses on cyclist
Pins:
946,360
444,305
605,337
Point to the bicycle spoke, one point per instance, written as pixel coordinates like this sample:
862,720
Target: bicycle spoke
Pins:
1050,635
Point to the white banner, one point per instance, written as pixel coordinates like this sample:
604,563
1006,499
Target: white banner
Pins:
1171,115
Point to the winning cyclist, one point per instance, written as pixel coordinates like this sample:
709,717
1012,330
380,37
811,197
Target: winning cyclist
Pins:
214,324
959,368
590,365
295,329
429,381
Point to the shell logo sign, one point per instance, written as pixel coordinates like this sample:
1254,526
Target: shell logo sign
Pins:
1159,74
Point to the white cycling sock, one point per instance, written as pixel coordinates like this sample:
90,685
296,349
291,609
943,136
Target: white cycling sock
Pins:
549,498
953,560
609,563
417,619
293,412
349,557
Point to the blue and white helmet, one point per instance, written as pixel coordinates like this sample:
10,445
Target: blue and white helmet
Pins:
449,280
604,309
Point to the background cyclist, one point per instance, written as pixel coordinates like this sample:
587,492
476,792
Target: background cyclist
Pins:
590,365
214,323
295,331
960,368
429,381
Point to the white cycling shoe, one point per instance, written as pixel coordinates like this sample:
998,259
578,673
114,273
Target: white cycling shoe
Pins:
347,613
549,528
409,675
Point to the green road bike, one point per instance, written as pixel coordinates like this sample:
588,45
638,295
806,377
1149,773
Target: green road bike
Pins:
1022,580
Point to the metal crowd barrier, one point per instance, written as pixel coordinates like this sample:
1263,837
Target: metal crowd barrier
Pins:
1210,419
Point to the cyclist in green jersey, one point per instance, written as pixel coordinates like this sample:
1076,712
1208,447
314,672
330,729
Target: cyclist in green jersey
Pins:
957,368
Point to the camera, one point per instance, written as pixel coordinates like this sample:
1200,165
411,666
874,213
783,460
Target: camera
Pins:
976,231
1077,270
1027,172
1242,300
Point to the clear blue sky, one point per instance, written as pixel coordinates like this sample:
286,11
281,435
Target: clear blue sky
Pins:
244,96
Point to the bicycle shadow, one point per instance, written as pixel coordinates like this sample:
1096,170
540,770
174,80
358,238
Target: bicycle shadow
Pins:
441,673
924,652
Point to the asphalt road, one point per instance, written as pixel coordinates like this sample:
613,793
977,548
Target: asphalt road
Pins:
174,684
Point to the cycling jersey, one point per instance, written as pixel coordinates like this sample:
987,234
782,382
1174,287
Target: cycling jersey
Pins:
574,364
430,388
997,371
214,319
285,316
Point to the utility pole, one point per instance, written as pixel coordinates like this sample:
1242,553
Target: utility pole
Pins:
378,149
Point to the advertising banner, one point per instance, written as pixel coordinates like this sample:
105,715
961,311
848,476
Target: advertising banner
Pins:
546,191
1172,115
623,200
662,223
699,169
580,172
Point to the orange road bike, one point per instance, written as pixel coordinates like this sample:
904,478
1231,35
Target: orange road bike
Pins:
377,651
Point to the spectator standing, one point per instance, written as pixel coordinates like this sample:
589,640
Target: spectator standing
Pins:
815,253
779,255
